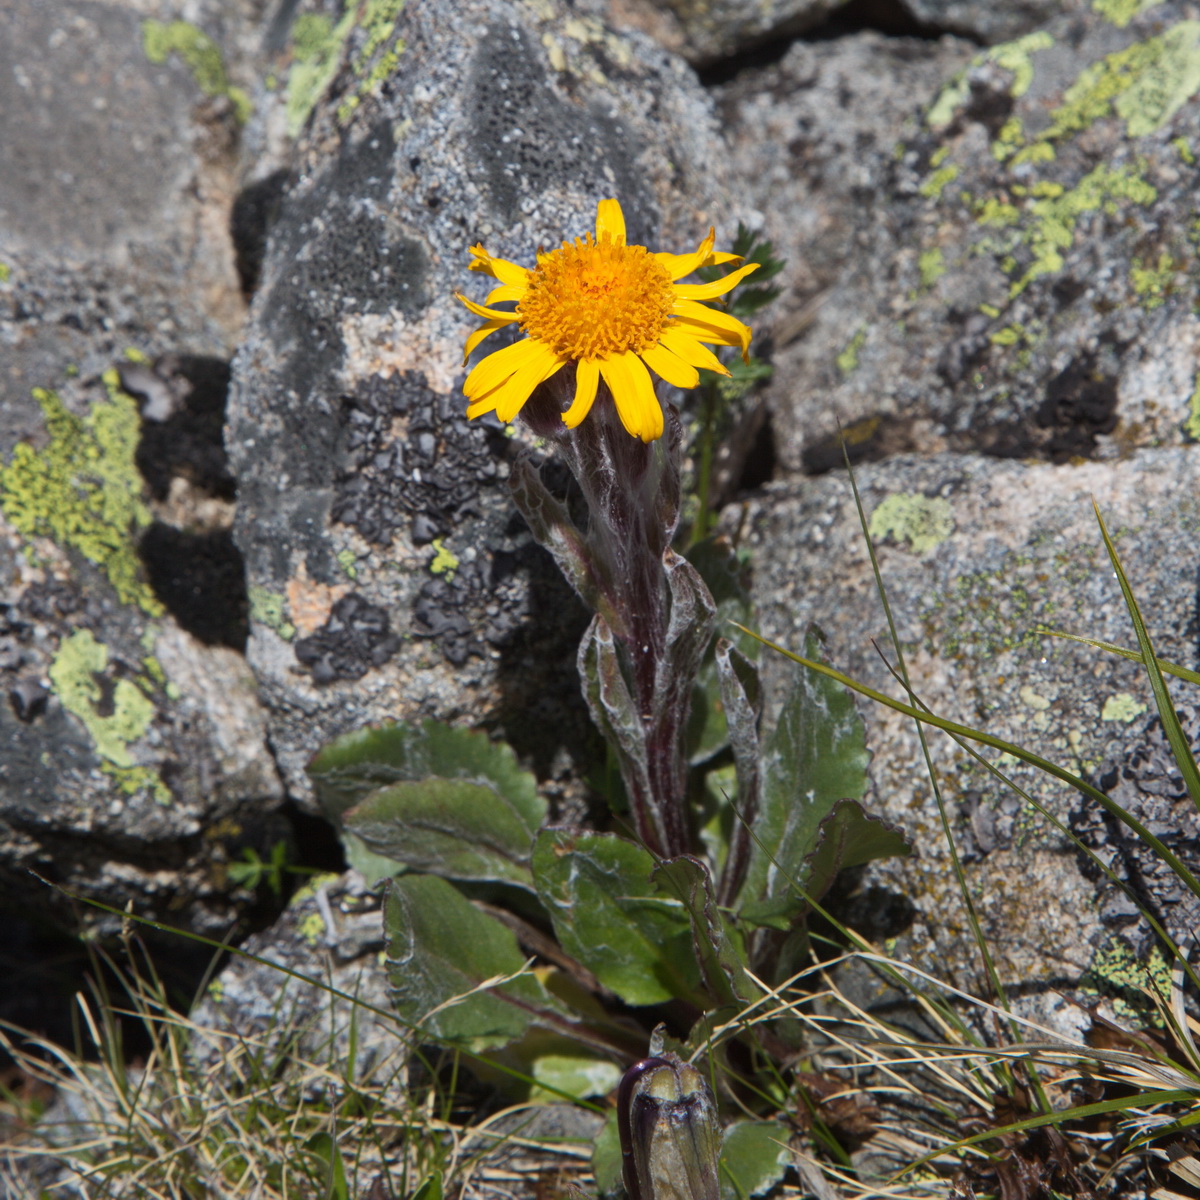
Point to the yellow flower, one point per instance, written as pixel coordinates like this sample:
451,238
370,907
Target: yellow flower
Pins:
611,309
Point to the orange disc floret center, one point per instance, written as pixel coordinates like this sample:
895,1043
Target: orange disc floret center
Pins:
593,300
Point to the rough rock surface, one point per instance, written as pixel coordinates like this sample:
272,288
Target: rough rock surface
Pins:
1023,275
134,758
389,575
977,555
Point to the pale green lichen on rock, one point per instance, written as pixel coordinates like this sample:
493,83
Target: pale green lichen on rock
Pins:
132,780
1129,982
200,54
1153,285
317,46
1013,56
1050,227
847,360
1145,85
922,522
933,187
445,562
83,490
1121,12
932,266
1122,707
1191,427
114,714
267,608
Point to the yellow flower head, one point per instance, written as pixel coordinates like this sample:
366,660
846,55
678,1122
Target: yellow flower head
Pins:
611,309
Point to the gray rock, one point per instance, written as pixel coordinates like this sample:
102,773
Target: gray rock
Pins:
1012,273
992,23
389,576
135,761
977,555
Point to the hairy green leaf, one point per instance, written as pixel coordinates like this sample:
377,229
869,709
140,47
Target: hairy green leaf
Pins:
753,1158
610,915
718,950
449,827
815,757
355,764
441,949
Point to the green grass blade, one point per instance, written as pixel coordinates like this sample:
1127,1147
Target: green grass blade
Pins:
1162,698
1133,655
977,735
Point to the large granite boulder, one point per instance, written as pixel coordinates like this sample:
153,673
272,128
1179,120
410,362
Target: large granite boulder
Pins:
1021,270
978,555
389,574
134,759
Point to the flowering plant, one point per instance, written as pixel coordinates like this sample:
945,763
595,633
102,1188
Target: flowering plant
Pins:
736,828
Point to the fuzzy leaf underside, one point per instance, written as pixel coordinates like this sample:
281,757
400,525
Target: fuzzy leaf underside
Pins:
441,947
609,914
355,764
815,757
449,827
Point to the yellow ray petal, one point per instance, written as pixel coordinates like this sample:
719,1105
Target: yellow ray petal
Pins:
710,325
633,391
680,342
488,314
610,221
510,394
497,268
706,291
670,366
489,373
512,291
485,330
679,265
587,379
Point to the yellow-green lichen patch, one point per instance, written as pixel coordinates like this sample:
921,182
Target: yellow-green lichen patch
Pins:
445,562
348,561
1122,707
1130,983
1012,56
306,891
847,361
114,713
1121,12
1145,84
267,608
932,266
316,51
935,184
5,272
379,22
1191,427
1049,226
132,780
312,928
200,54
1153,285
918,520
1184,149
83,490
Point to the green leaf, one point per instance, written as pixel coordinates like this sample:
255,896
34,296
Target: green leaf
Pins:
849,837
606,1158
753,1158
431,1189
718,951
741,696
610,915
552,526
441,948
324,1148
447,827
353,765
576,1073
815,757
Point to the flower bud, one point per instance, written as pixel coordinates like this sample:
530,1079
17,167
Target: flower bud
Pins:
670,1136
